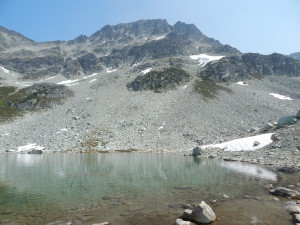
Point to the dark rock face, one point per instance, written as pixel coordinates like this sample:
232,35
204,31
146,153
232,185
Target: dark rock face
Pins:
72,68
233,68
90,63
159,81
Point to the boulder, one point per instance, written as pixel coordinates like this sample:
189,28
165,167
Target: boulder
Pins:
35,151
203,214
256,143
298,114
296,218
293,209
196,151
285,192
286,120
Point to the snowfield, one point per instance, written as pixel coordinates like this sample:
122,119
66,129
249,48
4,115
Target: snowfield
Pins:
203,59
29,147
282,97
244,144
4,70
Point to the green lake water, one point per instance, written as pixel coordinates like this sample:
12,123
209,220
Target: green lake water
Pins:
133,188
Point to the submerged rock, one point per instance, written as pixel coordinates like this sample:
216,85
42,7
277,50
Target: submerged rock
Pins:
182,222
285,192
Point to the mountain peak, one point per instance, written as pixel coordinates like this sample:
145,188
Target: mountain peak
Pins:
10,38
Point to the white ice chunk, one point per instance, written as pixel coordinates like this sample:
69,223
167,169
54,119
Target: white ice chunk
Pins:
282,97
244,144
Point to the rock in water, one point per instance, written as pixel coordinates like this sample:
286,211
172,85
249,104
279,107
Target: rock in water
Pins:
196,151
285,192
296,218
182,222
203,213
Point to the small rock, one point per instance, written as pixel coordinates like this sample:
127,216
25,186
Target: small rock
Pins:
285,192
291,186
34,151
187,214
274,137
203,214
269,186
275,199
225,196
296,218
293,209
256,143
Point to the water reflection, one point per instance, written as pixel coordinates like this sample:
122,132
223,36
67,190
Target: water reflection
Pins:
72,179
250,170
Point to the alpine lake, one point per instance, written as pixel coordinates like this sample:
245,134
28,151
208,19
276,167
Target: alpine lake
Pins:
135,189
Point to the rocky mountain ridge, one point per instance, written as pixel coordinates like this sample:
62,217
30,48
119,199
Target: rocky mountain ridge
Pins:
144,85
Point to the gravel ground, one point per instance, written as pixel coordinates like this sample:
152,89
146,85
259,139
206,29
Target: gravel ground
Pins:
105,115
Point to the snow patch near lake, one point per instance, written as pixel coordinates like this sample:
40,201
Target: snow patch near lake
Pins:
29,147
282,97
203,59
110,70
146,71
244,144
4,70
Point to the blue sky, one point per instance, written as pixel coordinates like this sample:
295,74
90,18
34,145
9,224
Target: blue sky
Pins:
263,26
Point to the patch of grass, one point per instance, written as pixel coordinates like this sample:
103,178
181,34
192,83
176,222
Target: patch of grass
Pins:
209,89
127,150
257,76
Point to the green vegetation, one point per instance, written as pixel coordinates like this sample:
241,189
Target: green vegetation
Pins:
14,102
209,89
159,81
7,93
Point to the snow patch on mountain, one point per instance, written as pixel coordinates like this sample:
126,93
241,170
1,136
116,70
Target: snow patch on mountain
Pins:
282,97
159,38
4,70
110,70
243,83
203,59
29,147
146,71
244,144
66,82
